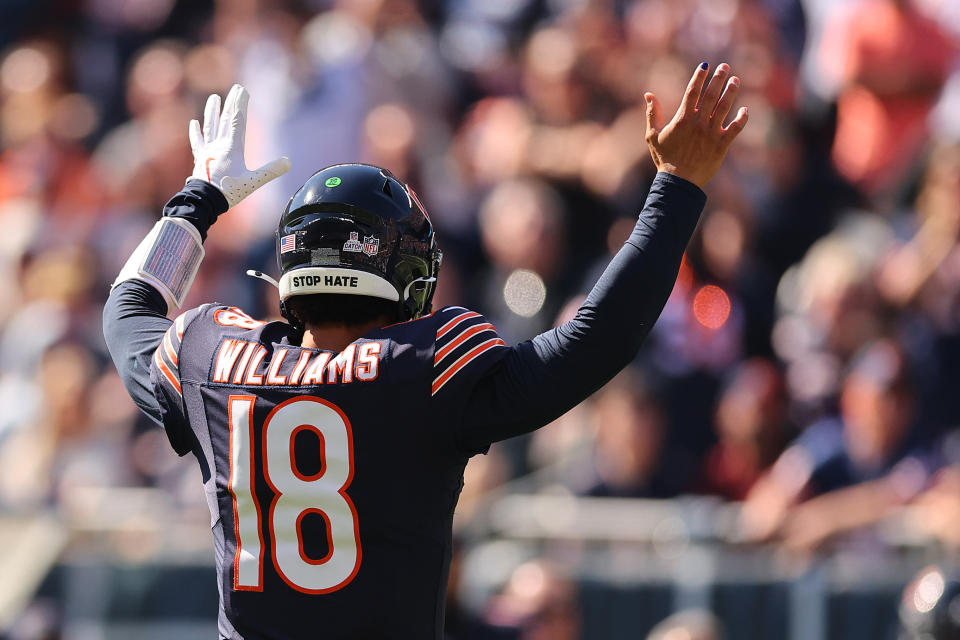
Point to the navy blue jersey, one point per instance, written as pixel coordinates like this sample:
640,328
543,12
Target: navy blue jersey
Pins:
332,474
332,477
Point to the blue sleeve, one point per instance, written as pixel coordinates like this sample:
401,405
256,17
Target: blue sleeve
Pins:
135,315
541,379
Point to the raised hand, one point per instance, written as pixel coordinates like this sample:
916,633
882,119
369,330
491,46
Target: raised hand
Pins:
218,149
694,143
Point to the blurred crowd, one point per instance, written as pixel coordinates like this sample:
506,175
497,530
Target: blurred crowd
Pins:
803,365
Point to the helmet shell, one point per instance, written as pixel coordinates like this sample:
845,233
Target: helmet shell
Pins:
359,220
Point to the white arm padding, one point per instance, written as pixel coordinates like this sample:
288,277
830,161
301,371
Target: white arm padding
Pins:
168,259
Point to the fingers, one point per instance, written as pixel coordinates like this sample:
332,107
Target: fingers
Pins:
708,101
243,99
228,107
654,117
239,121
234,110
211,118
692,94
196,137
732,130
726,101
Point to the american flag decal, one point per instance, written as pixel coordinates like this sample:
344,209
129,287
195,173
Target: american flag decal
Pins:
288,243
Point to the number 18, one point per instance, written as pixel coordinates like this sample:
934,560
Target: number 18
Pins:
295,495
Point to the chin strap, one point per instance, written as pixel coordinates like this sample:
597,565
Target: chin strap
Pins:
296,327
409,305
262,276
406,290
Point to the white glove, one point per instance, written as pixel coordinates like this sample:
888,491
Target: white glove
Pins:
218,149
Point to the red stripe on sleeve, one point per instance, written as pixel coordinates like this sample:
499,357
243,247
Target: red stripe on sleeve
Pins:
459,340
442,331
464,360
165,370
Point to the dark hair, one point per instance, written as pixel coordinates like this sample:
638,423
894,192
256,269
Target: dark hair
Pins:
341,309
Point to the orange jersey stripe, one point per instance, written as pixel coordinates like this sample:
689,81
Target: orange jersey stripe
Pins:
459,340
165,370
442,331
464,360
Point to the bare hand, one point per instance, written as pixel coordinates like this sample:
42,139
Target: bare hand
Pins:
694,144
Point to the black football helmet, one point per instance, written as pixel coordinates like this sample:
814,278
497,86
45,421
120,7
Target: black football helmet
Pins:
356,229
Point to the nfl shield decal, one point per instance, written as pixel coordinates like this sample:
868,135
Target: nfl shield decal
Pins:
353,244
369,246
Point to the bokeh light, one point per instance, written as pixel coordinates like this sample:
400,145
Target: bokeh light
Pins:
928,591
524,293
25,69
711,306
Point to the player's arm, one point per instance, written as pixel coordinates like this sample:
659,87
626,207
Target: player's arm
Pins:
540,379
157,277
135,315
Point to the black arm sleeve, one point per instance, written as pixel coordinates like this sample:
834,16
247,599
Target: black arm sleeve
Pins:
135,315
134,321
199,202
541,379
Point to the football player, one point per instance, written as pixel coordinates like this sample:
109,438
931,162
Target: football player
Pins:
332,445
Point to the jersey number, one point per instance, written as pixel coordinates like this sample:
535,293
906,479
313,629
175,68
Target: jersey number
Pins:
295,495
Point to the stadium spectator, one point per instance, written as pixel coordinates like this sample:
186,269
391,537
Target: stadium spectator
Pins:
895,61
851,470
938,508
65,449
751,429
523,234
629,456
539,602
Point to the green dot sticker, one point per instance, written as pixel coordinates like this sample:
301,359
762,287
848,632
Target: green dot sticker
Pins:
333,182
